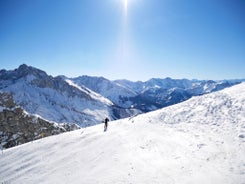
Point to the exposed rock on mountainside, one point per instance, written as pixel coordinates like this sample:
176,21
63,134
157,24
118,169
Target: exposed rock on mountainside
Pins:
18,127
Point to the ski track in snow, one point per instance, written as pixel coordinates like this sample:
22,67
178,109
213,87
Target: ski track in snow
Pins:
198,141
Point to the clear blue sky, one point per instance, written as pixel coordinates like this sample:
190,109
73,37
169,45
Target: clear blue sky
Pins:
202,39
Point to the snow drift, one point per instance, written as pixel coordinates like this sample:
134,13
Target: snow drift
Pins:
201,140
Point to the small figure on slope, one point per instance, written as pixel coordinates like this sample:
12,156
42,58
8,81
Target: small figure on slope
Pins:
106,124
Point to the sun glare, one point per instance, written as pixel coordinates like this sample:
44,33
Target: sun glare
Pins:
125,2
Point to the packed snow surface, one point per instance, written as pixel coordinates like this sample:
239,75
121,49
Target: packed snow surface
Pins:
201,140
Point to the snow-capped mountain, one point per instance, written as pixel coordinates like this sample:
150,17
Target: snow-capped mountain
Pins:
18,127
201,140
87,100
117,93
56,99
158,93
152,94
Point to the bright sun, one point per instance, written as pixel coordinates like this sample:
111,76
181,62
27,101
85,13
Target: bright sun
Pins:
125,5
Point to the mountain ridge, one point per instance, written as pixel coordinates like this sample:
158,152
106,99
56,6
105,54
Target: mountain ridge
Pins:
152,94
57,99
87,100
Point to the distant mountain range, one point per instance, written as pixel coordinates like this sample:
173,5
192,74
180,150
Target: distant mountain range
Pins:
34,104
153,94
87,100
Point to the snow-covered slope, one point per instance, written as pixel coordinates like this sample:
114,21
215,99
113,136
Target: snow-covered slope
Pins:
201,140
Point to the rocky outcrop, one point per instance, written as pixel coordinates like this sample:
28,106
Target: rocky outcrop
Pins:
18,127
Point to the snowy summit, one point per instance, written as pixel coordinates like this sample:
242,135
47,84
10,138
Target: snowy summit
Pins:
201,140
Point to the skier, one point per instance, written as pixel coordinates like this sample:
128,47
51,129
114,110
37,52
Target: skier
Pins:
106,124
